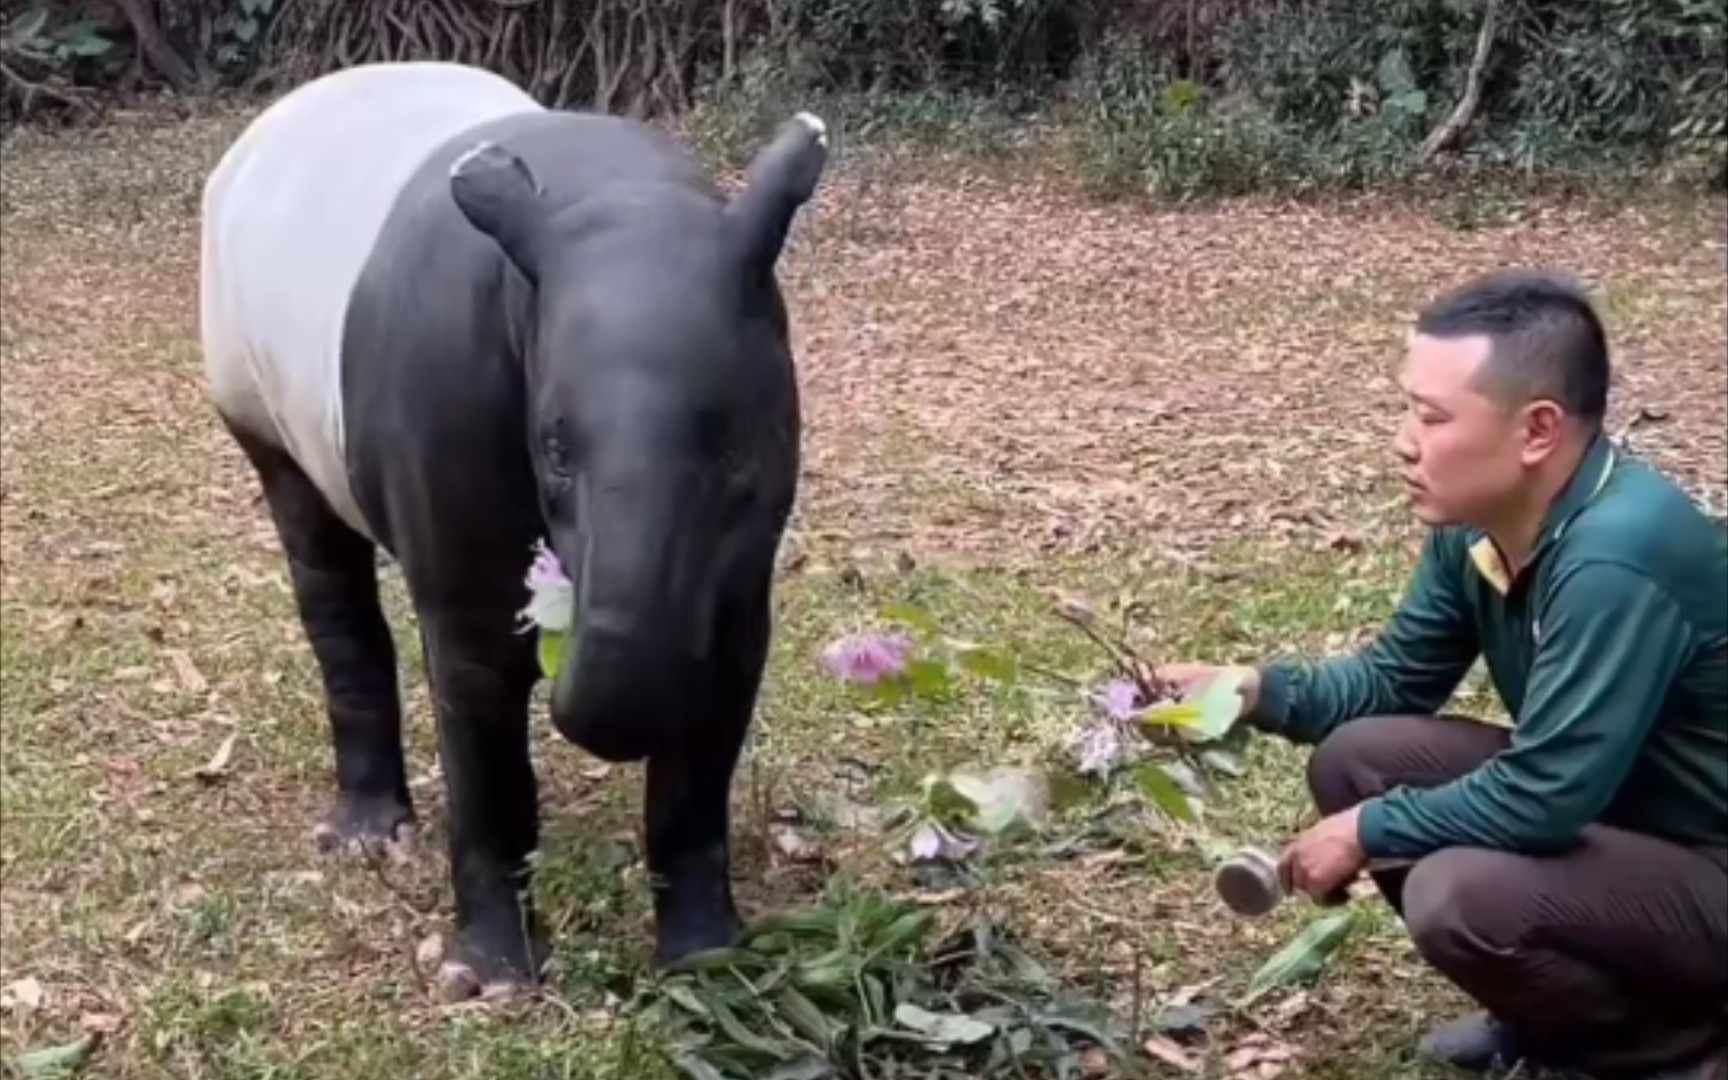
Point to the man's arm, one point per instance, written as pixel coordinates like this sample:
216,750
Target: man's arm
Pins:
1412,666
1578,734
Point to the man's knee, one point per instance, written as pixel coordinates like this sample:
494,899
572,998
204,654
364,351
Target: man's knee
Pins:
1346,767
1457,909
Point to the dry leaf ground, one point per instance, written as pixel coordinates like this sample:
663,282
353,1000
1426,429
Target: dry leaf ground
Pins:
1009,389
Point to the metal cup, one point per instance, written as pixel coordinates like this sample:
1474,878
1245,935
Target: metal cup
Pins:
1249,884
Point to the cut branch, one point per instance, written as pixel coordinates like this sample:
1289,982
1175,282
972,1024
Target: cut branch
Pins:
1453,127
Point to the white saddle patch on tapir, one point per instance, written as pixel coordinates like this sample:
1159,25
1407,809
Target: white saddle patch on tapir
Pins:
290,214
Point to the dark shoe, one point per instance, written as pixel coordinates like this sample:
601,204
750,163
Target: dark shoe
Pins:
1476,1043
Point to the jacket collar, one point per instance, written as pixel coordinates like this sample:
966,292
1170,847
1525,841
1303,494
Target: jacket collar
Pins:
1586,482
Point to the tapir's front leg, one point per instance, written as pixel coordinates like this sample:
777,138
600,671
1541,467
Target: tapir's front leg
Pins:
481,673
688,797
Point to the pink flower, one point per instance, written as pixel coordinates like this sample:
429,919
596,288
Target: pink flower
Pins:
552,597
867,658
1120,700
1102,749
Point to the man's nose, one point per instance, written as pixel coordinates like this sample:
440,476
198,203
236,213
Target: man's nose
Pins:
1402,444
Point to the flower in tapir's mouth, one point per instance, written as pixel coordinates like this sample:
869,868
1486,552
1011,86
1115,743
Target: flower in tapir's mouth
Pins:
552,598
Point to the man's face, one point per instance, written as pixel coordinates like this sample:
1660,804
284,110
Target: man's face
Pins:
1463,455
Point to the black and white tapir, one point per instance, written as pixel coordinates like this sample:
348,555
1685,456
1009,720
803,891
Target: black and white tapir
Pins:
445,322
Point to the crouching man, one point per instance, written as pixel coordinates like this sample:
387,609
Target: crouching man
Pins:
1569,874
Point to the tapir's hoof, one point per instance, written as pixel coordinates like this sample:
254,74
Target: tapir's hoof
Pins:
476,970
458,982
378,827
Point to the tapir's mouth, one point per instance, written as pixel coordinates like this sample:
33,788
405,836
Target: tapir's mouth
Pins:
620,693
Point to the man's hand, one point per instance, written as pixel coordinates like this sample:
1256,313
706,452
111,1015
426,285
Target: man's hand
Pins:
1325,858
1190,678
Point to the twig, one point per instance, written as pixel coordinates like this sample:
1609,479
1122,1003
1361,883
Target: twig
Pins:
376,862
1465,111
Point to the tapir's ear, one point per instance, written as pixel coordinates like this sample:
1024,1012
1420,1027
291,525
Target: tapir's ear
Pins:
780,180
498,195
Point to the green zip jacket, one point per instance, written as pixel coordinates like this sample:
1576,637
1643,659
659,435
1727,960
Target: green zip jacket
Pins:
1609,650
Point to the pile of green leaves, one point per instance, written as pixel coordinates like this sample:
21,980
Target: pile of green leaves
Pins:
857,988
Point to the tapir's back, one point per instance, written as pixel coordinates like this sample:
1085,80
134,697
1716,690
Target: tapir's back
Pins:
291,214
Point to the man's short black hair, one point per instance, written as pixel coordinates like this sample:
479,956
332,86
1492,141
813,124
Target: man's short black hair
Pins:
1546,340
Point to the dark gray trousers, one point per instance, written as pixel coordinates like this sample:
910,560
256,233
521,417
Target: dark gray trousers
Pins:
1611,959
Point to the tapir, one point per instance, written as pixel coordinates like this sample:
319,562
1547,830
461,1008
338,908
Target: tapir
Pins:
446,323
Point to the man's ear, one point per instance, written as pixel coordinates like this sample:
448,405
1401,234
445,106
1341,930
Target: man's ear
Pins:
498,195
781,179
1544,428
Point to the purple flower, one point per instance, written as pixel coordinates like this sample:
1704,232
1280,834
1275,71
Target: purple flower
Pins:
546,570
931,841
1101,748
867,658
1120,700
552,603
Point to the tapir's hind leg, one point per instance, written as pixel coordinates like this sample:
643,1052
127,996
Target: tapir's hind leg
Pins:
335,580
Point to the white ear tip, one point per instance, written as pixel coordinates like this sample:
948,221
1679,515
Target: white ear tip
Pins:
816,126
461,164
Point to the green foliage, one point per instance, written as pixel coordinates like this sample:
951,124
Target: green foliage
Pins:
58,42
54,1062
1305,956
860,986
1217,99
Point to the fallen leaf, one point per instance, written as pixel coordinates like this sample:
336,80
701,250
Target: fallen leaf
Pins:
102,1023
1305,956
430,952
24,993
1170,1054
794,845
217,766
190,677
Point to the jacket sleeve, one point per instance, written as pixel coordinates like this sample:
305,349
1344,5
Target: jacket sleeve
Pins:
1412,666
1611,644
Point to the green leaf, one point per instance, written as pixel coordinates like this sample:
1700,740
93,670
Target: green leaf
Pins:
927,677
988,664
55,1061
1411,102
943,1028
697,1069
1220,706
1005,796
686,999
808,1067
1176,714
1306,954
1162,791
552,645
742,1035
910,614
946,804
1394,73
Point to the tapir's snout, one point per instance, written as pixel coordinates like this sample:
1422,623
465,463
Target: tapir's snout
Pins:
620,695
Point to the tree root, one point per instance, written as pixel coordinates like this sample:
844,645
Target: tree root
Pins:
23,95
